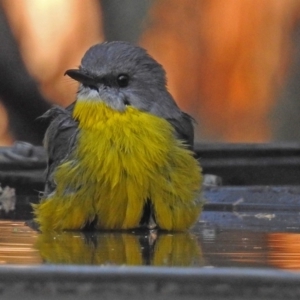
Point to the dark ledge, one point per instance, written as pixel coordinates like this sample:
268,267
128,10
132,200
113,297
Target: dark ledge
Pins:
76,282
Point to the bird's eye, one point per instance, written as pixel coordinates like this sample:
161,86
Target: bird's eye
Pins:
123,80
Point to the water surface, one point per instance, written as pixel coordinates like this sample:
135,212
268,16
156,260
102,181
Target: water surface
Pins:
219,239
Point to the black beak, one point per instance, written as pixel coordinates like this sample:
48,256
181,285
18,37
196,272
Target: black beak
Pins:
81,77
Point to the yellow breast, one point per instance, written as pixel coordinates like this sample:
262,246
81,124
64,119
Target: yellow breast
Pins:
121,159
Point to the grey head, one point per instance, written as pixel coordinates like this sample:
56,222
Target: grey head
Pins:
122,74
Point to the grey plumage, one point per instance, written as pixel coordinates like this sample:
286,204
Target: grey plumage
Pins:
99,77
58,141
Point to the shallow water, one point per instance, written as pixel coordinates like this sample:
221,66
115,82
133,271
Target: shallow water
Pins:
219,239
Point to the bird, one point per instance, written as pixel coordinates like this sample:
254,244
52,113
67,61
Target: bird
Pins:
121,155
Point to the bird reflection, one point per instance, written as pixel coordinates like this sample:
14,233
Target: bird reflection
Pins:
134,248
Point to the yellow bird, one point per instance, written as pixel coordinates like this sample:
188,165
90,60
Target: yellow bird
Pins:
120,156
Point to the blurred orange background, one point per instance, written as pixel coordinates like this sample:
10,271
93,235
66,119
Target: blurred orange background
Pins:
226,61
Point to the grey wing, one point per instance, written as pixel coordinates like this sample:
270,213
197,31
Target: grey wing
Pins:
59,142
184,128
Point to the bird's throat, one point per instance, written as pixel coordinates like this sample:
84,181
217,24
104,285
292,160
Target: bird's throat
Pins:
91,113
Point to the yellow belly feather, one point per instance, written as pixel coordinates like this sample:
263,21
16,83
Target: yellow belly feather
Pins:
121,160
